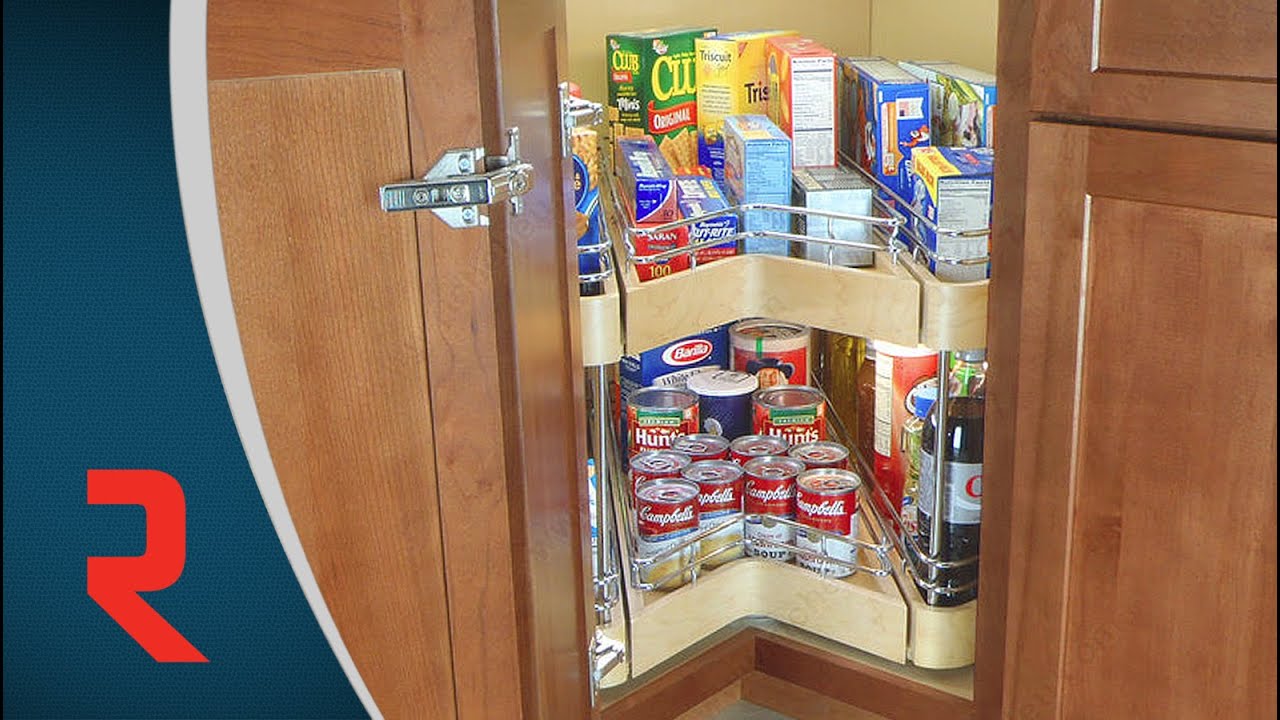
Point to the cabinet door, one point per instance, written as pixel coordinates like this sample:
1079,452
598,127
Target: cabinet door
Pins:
1155,61
1142,572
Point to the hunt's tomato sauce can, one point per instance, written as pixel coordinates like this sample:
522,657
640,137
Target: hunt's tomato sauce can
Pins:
769,492
656,464
827,500
658,415
747,447
821,454
666,512
795,413
702,446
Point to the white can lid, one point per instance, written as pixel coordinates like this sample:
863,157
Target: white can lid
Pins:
723,383
888,348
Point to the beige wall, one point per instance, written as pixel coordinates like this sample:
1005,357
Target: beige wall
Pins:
963,31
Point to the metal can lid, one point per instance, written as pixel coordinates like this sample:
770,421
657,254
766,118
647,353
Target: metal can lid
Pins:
759,445
972,356
819,451
653,461
723,383
790,396
773,466
765,328
712,472
667,490
829,481
700,444
662,398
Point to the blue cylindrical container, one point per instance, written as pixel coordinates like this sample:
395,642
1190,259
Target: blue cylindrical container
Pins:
724,401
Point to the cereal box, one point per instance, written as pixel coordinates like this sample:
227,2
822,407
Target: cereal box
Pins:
892,115
732,80
652,90
700,196
647,181
802,98
764,220
850,131
671,365
962,103
586,196
838,190
953,190
757,158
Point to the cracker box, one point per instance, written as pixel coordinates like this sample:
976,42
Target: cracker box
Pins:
647,181
671,365
652,90
838,190
757,158
892,116
802,98
732,80
962,103
701,196
764,220
953,190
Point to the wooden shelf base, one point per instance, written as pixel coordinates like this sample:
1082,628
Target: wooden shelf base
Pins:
601,326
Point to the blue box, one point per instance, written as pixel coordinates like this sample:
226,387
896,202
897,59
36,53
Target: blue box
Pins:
671,365
892,116
701,196
962,103
757,157
648,183
953,190
771,220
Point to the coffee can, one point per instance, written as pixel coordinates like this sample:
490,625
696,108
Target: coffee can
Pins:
724,401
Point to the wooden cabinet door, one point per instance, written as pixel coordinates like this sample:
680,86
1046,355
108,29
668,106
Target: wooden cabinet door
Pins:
1142,551
1180,62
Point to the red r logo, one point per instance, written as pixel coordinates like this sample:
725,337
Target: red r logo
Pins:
114,582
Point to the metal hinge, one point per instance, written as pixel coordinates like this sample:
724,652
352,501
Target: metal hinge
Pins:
576,112
462,182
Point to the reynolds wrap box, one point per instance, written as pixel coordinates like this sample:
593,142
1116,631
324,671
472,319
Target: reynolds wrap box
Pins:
837,190
732,80
802,98
701,196
953,190
757,158
671,365
647,181
652,90
892,116
764,220
962,103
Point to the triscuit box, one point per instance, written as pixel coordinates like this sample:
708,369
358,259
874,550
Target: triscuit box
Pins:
701,196
764,220
892,116
732,80
953,190
652,90
837,190
757,158
962,103
802,98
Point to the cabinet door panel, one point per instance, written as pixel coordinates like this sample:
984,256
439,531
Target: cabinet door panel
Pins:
1142,572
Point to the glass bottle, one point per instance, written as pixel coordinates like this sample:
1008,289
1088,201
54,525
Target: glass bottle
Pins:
921,402
866,409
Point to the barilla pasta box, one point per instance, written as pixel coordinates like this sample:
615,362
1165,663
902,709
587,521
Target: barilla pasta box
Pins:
764,220
837,190
757,158
700,196
648,182
586,197
892,116
652,90
732,80
802,98
671,365
962,103
953,190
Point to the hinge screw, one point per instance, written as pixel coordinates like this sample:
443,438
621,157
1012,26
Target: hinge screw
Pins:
420,197
469,215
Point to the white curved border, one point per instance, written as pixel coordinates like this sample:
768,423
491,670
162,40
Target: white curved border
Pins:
189,102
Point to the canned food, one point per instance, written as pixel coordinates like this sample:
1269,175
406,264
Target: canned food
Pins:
719,496
795,413
899,370
658,415
666,512
724,401
827,499
769,491
655,464
777,353
702,446
754,446
821,454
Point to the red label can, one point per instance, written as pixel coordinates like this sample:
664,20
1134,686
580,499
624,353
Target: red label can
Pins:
821,454
770,487
777,353
899,370
666,508
702,446
658,415
795,413
656,464
719,497
827,500
747,447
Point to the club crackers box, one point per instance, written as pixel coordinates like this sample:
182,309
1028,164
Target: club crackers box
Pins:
953,190
892,120
962,103
838,190
802,98
652,90
732,80
671,365
700,196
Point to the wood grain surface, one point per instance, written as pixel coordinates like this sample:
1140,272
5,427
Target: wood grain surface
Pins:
797,702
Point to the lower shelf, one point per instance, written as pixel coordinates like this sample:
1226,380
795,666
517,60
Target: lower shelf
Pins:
600,318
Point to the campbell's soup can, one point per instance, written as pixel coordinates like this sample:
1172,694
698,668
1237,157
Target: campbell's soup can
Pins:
795,413
827,499
899,370
820,454
769,491
719,497
776,352
724,401
658,415
753,446
666,512
656,464
702,446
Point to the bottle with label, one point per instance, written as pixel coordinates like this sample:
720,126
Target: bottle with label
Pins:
843,353
969,373
961,483
866,403
921,402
